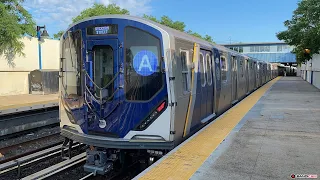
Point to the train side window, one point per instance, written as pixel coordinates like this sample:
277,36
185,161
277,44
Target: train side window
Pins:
202,70
209,69
184,70
223,68
241,67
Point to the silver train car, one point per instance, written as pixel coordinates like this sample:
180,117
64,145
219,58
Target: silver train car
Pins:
128,84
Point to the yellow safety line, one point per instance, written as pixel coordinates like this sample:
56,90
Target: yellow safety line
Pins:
190,99
186,160
15,106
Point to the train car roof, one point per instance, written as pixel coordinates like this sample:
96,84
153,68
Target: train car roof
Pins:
171,31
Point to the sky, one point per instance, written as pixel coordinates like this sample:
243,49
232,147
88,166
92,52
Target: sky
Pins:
226,21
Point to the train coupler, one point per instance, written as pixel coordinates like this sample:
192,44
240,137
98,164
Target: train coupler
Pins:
99,161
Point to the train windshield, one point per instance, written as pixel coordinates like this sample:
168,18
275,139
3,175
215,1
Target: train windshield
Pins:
143,76
71,70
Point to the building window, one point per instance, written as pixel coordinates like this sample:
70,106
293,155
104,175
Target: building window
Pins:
281,48
223,68
267,48
259,48
202,70
185,71
240,49
209,69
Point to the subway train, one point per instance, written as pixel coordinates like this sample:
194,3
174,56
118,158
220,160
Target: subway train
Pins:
131,88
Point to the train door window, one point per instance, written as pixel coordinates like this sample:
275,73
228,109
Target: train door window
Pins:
234,63
223,68
241,67
185,70
143,80
202,70
208,69
103,68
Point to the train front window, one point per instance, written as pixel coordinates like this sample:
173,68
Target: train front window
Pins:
143,76
103,70
71,65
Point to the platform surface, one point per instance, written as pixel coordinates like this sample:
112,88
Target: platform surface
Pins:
271,134
25,101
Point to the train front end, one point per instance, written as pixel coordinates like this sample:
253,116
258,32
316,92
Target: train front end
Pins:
113,87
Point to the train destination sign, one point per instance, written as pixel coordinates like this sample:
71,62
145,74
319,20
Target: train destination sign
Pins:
102,30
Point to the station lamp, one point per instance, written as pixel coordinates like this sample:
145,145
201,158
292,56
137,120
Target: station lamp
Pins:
41,37
307,51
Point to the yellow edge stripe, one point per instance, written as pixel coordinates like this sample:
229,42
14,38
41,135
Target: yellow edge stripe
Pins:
28,104
184,162
190,99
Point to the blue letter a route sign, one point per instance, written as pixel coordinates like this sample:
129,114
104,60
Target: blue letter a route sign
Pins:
145,63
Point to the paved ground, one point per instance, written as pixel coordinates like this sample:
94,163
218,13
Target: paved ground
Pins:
278,137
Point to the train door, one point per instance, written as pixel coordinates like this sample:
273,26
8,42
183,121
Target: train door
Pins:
261,73
257,74
103,59
209,85
234,70
247,75
204,88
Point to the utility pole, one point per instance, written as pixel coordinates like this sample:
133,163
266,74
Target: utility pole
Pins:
39,35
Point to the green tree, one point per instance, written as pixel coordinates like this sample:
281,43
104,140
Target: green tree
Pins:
98,10
178,25
303,30
208,38
152,18
15,22
58,35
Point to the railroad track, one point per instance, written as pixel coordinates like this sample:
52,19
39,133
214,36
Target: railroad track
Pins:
14,168
17,124
30,164
4,151
63,170
57,168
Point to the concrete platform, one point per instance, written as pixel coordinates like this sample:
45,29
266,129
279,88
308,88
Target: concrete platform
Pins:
26,102
280,136
276,137
17,113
